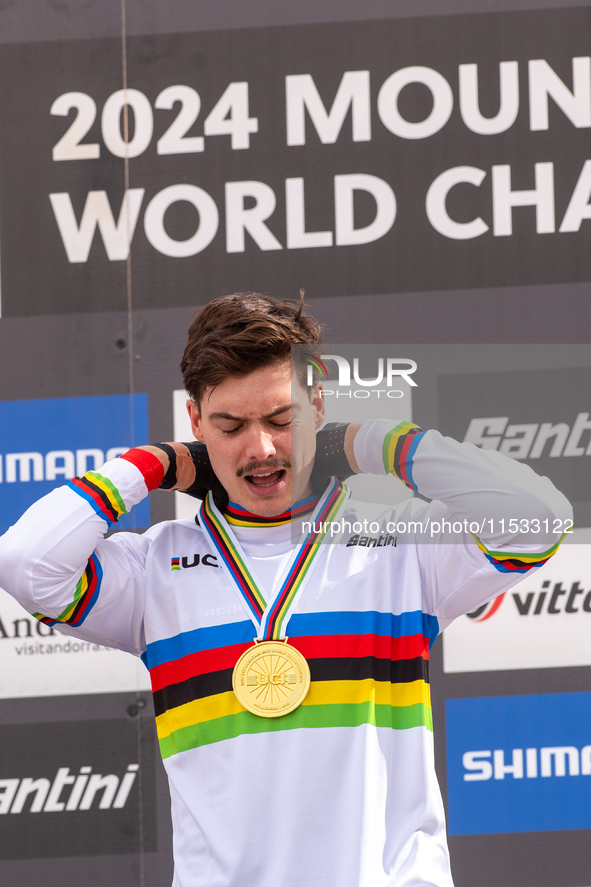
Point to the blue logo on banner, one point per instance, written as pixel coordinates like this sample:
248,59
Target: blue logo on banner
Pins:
519,763
43,443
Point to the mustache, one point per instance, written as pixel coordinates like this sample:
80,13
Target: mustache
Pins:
268,463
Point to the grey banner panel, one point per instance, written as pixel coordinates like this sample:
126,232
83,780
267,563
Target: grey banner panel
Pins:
86,784
541,416
37,20
98,720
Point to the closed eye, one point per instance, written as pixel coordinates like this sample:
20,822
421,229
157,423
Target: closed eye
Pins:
230,430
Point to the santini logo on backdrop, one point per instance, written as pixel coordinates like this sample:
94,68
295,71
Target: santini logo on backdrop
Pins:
67,792
531,440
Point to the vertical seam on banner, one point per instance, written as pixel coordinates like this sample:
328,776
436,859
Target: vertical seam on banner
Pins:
130,359
128,277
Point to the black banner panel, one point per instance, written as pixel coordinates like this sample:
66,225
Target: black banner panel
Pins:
266,158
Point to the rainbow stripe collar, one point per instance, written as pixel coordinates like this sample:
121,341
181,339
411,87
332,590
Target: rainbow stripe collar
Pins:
237,516
271,618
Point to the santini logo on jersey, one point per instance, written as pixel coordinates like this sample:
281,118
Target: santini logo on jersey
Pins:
372,541
208,560
84,791
531,440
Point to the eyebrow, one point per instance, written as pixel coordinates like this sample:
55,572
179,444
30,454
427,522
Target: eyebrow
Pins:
231,418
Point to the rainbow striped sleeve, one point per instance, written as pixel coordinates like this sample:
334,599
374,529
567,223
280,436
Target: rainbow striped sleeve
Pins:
398,451
514,562
85,597
101,494
366,668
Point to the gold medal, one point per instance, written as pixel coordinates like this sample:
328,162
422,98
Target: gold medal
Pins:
271,679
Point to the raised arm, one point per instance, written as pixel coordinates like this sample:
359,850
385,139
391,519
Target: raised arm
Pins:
491,518
56,562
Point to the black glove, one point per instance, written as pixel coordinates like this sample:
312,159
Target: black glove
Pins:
330,460
205,478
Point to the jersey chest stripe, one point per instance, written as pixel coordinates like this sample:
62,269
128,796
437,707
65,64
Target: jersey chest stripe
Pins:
221,717
202,662
326,669
319,716
188,642
362,622
319,646
321,693
348,622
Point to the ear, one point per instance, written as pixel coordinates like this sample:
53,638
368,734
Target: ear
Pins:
318,405
195,420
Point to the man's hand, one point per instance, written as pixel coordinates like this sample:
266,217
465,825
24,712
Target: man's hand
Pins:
187,468
334,454
352,430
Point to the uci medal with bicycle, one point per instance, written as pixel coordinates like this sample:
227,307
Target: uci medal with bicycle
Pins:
271,678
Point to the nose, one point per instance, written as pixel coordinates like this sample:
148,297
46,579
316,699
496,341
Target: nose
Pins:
259,443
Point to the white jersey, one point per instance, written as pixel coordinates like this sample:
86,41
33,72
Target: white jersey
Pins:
342,791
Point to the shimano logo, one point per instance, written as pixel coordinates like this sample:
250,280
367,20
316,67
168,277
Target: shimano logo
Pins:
528,763
532,440
67,792
24,467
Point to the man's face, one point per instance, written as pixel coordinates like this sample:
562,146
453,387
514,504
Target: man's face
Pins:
247,423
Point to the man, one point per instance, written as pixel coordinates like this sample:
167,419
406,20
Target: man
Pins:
277,782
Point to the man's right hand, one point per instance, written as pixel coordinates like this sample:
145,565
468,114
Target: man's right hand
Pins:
186,468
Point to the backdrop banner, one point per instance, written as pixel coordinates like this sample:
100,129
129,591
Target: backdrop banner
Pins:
426,179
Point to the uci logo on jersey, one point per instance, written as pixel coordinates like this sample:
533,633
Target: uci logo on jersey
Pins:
208,560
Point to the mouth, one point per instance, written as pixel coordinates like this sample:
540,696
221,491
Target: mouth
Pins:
265,479
265,483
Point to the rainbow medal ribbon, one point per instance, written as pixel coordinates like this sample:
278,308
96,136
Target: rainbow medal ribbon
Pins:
272,678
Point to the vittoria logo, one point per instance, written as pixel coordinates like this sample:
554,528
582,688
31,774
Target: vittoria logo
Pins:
487,610
185,563
552,598
542,622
